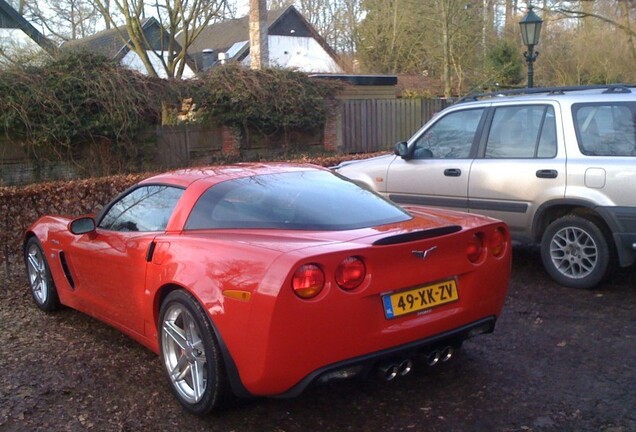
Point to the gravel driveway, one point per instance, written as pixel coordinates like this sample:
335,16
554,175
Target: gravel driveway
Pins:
560,359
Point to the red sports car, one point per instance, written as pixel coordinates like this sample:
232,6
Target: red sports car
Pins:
260,279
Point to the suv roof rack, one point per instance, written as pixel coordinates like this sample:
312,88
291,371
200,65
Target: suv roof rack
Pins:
609,88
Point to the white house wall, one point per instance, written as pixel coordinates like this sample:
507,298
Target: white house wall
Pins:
299,53
132,61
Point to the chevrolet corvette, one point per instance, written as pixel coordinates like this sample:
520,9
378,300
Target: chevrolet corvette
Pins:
262,279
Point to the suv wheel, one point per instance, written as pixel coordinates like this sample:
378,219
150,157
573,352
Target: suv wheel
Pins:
575,252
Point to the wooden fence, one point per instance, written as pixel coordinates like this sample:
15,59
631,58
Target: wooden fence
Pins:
377,124
180,146
361,126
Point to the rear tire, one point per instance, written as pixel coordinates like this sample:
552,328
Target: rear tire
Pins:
190,354
576,252
40,279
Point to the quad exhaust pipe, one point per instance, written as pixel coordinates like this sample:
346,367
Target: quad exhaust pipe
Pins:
440,355
394,368
391,370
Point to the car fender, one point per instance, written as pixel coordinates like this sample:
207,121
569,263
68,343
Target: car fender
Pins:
371,173
53,234
550,210
226,278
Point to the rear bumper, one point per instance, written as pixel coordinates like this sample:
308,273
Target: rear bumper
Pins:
622,222
363,364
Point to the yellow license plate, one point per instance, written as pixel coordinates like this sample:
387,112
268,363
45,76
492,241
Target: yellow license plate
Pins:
419,299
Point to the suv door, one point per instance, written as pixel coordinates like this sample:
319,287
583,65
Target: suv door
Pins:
521,165
435,170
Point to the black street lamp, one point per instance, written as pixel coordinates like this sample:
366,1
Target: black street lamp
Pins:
530,31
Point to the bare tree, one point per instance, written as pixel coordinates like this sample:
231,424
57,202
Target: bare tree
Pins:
391,38
510,26
460,27
589,42
182,19
62,20
617,13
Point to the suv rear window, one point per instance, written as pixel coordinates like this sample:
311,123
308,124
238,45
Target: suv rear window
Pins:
606,129
305,200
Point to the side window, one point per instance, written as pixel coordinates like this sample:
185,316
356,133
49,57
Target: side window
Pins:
607,129
527,131
146,208
451,137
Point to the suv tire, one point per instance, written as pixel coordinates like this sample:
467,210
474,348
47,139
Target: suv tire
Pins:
575,252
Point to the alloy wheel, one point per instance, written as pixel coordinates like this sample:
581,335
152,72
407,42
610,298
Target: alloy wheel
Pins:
38,276
184,353
574,252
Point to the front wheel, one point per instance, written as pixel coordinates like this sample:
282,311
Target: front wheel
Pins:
575,252
40,279
189,353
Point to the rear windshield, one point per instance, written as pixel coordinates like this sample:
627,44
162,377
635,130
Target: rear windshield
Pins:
306,200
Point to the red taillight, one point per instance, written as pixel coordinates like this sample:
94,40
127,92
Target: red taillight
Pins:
308,281
497,243
350,273
475,248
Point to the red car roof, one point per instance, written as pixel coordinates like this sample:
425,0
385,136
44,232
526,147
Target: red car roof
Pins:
216,174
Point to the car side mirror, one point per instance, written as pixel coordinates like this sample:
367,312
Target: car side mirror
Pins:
401,149
82,225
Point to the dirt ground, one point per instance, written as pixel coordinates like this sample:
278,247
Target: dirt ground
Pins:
560,359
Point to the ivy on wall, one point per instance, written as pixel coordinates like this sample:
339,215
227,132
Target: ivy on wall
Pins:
62,107
84,108
267,100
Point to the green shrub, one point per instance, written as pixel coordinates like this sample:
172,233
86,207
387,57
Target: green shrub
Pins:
266,101
505,63
98,116
74,102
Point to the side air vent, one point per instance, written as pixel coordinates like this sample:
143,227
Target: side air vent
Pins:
67,272
417,235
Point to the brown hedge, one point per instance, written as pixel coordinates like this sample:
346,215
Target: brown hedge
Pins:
21,206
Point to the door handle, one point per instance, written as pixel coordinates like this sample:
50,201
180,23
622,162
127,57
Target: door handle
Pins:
547,173
452,172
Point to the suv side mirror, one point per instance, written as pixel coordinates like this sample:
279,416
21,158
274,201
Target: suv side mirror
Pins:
82,225
401,149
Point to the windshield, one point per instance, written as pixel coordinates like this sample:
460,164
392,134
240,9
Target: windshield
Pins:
305,200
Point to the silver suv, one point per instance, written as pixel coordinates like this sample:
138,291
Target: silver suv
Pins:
557,164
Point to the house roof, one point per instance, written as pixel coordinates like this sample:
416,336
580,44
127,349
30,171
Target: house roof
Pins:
11,19
222,36
110,43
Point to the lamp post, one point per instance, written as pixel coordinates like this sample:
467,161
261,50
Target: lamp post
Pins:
530,31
